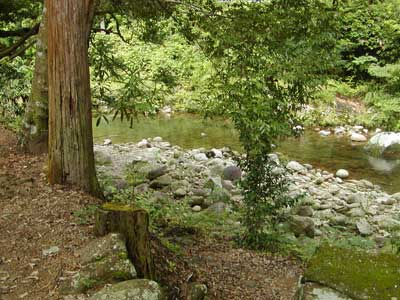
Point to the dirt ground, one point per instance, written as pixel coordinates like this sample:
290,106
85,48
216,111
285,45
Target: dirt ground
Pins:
36,218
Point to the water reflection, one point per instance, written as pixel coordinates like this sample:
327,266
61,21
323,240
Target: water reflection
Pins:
383,165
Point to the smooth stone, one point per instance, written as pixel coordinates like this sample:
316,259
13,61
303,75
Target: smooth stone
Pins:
356,212
342,173
364,228
302,226
179,193
232,173
196,208
161,182
157,172
144,144
340,220
200,157
158,139
296,167
107,142
396,197
324,132
357,137
217,153
102,158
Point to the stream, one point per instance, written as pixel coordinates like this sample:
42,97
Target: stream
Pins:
190,131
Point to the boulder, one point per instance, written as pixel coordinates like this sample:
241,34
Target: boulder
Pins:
179,193
161,182
232,173
382,141
102,158
139,289
296,167
302,226
157,172
104,260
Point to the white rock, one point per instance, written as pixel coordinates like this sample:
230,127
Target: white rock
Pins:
325,132
384,140
158,139
340,130
196,208
358,137
295,166
342,173
107,142
358,127
203,134
143,144
200,157
217,153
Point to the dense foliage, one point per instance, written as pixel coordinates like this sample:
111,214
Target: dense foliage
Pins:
258,63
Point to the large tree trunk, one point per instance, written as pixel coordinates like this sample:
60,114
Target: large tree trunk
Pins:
36,116
71,158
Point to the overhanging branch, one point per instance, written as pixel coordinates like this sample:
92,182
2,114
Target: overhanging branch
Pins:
10,51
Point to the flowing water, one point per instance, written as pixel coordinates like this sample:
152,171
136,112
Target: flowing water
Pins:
190,131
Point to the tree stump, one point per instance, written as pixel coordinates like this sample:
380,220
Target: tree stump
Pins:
133,224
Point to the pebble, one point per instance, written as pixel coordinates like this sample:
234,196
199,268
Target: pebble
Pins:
342,173
196,208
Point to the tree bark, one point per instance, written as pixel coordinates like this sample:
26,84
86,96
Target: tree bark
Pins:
35,125
71,157
133,224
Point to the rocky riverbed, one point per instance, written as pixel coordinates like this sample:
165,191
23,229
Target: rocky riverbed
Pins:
207,178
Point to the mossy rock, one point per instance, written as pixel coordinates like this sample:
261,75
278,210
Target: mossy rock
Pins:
104,260
357,274
139,289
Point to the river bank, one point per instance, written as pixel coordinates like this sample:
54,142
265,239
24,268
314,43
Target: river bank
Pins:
206,179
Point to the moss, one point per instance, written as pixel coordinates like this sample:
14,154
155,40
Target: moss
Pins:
123,255
87,283
115,206
358,274
120,275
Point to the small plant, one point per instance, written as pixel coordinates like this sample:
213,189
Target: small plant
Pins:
266,197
